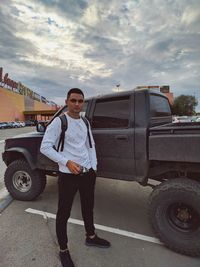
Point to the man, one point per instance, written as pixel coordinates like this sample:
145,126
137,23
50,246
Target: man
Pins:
77,172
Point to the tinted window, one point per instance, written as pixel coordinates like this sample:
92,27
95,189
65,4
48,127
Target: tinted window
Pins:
111,113
159,106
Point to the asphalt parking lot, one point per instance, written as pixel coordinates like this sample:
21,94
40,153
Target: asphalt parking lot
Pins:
27,230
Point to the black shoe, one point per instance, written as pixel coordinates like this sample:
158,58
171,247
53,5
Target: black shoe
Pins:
97,242
65,259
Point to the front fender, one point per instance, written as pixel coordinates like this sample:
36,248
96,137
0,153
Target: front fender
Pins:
14,153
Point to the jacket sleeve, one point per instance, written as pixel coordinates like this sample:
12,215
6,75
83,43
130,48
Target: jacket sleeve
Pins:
50,140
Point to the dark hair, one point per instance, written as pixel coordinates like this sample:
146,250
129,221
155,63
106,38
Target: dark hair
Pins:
75,91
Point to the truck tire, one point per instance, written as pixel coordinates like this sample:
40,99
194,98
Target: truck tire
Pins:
174,212
22,182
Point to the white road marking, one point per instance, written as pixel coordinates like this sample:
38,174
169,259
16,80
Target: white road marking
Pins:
100,227
2,141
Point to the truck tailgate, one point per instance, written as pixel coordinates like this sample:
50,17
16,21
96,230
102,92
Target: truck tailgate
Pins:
175,142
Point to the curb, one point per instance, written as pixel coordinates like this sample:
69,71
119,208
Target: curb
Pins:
5,199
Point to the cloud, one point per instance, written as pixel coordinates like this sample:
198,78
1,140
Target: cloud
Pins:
54,45
191,17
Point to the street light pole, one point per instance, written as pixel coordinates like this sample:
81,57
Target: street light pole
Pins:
118,85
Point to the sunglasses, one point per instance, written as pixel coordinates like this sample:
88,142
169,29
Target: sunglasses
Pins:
80,101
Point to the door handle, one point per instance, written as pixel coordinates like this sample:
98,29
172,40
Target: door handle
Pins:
121,137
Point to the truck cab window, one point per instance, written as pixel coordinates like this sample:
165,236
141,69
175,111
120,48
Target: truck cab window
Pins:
112,113
159,106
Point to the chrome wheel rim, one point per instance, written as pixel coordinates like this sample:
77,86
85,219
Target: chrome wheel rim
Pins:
22,181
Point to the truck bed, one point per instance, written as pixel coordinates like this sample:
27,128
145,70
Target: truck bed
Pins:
178,142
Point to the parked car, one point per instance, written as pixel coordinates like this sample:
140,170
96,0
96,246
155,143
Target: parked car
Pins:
180,119
197,119
22,123
29,123
3,125
15,124
19,124
9,125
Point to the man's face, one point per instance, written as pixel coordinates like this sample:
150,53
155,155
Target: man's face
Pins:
75,103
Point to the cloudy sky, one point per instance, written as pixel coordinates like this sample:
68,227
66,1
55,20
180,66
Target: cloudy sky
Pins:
53,45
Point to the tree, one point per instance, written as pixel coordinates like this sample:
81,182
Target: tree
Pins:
184,105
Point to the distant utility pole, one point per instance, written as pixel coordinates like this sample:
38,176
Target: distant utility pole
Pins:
118,85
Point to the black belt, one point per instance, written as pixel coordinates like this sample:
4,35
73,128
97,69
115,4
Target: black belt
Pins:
85,170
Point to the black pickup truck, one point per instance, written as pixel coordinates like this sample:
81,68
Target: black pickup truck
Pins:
135,141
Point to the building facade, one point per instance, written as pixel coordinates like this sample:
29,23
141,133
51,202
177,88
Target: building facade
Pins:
20,103
13,106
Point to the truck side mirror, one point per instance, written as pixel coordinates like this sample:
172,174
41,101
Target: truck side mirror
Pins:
41,126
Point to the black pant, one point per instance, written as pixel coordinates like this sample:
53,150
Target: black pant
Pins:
68,185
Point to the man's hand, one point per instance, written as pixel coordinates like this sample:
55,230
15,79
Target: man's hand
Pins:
73,167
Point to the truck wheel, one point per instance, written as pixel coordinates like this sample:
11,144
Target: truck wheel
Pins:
174,212
22,182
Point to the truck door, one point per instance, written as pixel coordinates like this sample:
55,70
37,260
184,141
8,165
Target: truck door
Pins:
112,127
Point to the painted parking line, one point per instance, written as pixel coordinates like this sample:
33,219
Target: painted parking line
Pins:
98,226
